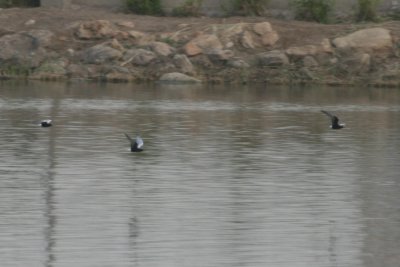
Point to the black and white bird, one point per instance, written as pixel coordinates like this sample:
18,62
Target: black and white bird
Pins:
45,123
334,120
136,144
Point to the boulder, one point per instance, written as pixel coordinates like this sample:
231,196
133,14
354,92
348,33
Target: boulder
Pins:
76,71
116,45
217,54
126,23
177,77
140,38
183,63
100,54
326,46
230,33
140,57
161,48
249,35
373,40
302,51
201,44
25,48
355,64
238,63
309,62
97,29
273,58
267,35
247,40
41,38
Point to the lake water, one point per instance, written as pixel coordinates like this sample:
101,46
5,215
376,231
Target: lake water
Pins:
246,176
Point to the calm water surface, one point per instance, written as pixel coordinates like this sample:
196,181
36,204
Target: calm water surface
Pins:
229,176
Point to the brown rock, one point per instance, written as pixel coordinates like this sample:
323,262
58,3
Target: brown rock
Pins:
202,43
140,38
97,29
247,40
191,49
302,51
267,34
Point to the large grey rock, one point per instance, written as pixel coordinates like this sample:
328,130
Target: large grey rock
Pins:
177,77
373,40
41,38
238,63
25,48
273,58
183,63
101,53
218,55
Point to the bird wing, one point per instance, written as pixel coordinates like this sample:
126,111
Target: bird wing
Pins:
328,114
129,138
139,142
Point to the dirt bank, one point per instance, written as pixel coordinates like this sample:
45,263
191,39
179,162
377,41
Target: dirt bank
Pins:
42,43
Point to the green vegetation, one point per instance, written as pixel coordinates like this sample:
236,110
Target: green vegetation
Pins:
314,10
144,7
249,7
367,10
12,3
188,8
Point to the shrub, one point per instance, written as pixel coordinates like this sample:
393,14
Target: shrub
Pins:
367,10
315,10
249,7
144,7
188,8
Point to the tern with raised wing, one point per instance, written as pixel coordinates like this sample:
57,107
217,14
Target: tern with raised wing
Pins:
334,120
136,144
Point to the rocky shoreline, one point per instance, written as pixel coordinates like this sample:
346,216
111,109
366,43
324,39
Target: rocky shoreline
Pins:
243,52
